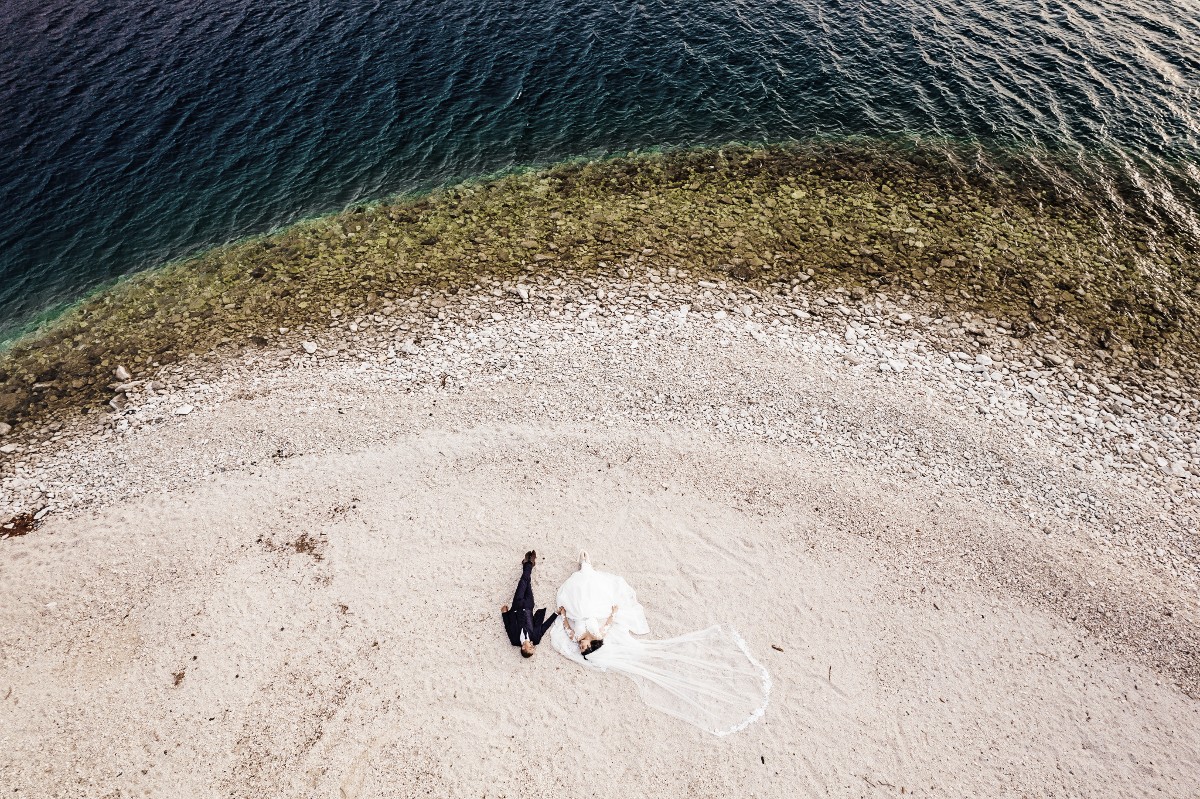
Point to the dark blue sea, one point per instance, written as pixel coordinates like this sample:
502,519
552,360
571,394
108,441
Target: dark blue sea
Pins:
133,132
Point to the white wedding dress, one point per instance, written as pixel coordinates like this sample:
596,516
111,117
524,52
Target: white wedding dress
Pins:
707,678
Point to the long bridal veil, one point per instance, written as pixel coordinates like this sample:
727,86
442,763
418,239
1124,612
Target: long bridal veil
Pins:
707,678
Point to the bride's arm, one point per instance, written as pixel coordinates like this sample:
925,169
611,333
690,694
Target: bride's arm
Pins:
608,622
567,624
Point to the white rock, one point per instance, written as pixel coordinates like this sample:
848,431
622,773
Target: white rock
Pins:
5,428
523,291
8,449
37,517
898,364
984,360
183,410
310,347
851,336
122,374
1178,469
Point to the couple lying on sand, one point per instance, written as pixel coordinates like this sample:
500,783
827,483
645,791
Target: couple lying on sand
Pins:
707,678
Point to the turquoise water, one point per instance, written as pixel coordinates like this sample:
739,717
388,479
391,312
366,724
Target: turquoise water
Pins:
137,132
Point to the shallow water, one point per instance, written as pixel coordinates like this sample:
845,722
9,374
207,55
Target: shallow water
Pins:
133,133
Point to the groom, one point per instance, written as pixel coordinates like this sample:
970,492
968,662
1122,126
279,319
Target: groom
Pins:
525,627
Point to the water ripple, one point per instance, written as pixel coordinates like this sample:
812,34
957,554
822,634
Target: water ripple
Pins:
136,132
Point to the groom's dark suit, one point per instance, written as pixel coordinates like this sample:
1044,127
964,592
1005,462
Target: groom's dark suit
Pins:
521,616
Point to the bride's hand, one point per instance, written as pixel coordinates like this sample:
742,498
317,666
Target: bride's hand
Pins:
561,611
614,610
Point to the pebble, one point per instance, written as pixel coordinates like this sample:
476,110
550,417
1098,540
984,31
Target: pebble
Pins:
122,374
1178,469
8,449
5,428
310,347
183,410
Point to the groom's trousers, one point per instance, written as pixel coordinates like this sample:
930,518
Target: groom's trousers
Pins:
533,622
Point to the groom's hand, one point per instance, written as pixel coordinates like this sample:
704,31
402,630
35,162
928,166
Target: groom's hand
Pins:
504,608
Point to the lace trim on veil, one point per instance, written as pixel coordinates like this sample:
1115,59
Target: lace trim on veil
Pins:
767,685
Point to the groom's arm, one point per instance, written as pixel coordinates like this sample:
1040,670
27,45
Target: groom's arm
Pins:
547,623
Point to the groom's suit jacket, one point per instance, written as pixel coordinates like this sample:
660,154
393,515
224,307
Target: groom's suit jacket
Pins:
535,624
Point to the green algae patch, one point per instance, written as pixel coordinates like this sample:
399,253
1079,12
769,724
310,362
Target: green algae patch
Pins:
832,214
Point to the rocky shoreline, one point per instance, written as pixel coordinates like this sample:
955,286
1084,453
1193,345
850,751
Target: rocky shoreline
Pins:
1094,461
999,390
825,216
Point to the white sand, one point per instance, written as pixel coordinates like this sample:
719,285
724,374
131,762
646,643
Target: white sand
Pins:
925,621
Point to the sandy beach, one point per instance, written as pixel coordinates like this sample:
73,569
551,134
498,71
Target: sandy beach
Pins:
279,573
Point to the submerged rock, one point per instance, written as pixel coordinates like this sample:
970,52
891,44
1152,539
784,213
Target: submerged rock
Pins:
865,220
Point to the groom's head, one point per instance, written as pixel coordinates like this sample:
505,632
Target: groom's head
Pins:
527,649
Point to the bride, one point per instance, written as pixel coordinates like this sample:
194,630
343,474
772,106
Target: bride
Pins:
707,678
